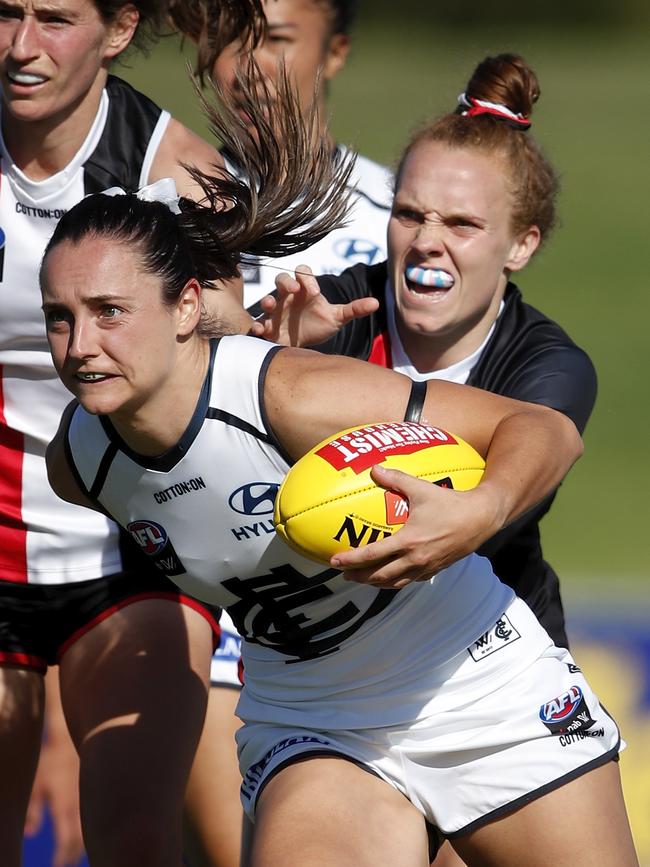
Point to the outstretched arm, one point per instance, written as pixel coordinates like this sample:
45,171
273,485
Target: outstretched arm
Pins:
299,315
528,450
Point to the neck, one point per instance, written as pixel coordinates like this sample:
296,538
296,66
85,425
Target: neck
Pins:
158,423
432,352
41,148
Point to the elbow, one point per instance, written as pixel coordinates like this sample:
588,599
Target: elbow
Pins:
569,438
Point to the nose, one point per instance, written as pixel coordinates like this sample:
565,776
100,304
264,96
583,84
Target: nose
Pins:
82,344
25,44
428,238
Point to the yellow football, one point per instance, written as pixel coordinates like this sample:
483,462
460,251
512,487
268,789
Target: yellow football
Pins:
328,502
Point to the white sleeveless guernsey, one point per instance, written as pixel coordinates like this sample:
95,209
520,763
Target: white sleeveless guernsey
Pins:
203,514
42,539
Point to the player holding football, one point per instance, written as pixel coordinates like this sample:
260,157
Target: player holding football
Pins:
474,199
370,714
310,40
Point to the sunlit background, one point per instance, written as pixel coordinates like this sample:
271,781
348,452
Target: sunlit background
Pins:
593,62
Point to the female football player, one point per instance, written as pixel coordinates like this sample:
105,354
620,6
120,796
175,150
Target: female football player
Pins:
309,40
372,714
474,200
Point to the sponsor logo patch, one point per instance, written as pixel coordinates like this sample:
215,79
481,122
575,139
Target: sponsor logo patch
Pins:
356,250
502,634
397,508
153,541
567,712
363,447
257,498
575,737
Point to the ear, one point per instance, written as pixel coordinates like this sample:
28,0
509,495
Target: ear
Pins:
336,56
121,30
188,307
523,248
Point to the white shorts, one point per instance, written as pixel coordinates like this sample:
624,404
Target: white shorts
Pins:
225,668
465,766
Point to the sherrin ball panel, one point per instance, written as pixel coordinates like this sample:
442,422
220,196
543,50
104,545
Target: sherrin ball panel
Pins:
328,502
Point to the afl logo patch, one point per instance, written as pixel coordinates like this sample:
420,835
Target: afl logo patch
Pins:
258,498
149,536
566,713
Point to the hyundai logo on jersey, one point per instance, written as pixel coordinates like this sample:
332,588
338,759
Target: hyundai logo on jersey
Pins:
566,713
258,498
357,250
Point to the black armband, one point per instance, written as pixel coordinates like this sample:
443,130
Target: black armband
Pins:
416,401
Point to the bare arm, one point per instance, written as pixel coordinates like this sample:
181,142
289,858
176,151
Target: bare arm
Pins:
528,450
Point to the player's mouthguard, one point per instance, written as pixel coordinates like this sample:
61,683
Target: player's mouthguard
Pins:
432,277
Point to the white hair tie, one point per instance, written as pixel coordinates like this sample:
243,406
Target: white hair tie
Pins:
163,191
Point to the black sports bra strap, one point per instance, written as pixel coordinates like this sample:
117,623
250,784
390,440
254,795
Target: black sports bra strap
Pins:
416,401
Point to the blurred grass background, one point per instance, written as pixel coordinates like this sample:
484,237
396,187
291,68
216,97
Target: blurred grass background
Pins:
593,63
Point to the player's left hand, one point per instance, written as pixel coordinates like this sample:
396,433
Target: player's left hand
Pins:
443,526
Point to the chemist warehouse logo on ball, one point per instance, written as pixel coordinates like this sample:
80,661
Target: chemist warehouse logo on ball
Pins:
257,499
153,541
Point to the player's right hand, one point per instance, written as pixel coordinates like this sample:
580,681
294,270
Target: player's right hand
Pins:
299,315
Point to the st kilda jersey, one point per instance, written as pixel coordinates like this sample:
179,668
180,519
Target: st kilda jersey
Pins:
527,357
42,539
202,512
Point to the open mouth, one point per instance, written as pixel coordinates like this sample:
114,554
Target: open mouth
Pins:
92,377
25,79
434,282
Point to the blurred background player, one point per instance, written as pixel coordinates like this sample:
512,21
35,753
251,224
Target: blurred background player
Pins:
474,200
310,40
133,662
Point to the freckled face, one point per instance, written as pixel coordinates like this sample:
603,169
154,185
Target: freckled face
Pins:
113,341
452,215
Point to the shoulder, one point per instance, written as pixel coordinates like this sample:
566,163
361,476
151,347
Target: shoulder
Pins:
120,90
180,145
359,281
530,357
371,180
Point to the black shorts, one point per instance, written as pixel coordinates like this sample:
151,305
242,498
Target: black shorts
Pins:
39,622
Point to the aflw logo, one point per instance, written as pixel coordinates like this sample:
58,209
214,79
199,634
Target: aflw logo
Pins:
501,634
152,539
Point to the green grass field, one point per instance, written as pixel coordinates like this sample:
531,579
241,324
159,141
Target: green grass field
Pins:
593,121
